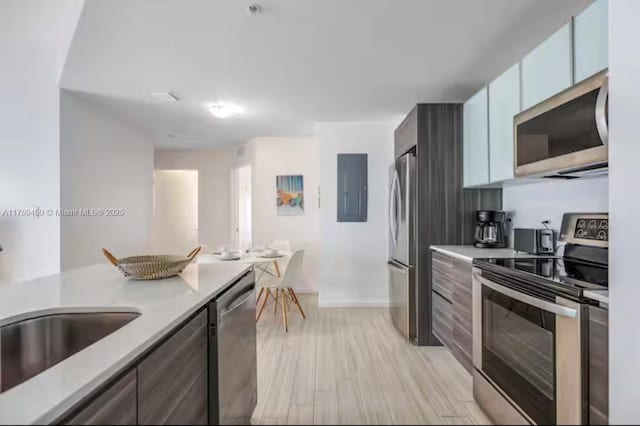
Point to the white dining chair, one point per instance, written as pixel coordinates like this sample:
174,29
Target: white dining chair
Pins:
284,289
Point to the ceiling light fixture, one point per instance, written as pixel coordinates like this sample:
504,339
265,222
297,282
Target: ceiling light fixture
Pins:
224,110
255,9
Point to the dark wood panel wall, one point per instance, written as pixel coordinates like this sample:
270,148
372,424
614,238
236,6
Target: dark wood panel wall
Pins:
444,213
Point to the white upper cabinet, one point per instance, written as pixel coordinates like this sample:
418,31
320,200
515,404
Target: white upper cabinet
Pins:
476,140
547,69
504,103
591,40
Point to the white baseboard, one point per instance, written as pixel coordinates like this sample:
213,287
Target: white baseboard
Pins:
354,304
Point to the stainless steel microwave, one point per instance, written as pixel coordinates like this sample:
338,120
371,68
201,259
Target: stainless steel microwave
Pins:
566,135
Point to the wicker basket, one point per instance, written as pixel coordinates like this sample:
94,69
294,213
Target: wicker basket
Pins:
152,267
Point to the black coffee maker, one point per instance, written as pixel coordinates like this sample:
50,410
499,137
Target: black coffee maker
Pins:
490,229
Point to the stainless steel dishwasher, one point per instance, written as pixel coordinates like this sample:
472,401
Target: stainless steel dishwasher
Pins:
233,380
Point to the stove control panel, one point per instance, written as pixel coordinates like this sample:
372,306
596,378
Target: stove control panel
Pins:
592,229
587,229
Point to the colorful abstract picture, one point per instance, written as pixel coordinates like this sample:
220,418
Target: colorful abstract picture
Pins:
290,195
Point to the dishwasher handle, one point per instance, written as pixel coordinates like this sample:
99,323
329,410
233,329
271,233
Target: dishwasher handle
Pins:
237,301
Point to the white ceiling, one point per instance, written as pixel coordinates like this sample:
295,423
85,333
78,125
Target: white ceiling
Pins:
298,62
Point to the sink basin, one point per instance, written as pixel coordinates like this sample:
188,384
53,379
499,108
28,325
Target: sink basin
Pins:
30,346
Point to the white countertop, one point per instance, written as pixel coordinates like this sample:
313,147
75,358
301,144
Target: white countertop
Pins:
468,253
164,304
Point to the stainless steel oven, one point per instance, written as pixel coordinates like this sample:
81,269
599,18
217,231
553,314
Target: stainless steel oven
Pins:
527,354
567,134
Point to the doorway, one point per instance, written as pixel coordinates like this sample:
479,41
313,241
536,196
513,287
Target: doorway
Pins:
241,208
175,211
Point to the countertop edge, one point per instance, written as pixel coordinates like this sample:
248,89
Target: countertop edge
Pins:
467,259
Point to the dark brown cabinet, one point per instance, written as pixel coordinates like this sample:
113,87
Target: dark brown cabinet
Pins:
442,319
172,381
168,386
452,306
598,366
114,406
406,135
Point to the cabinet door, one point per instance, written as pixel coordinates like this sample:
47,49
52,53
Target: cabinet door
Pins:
547,69
352,187
504,103
591,40
462,347
172,381
476,140
406,135
442,319
114,406
598,366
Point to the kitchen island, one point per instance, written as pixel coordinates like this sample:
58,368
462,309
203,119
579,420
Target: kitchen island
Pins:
164,306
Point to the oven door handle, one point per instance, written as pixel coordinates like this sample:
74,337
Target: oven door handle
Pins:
530,300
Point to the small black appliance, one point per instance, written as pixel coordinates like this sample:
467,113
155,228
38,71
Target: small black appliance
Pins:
490,229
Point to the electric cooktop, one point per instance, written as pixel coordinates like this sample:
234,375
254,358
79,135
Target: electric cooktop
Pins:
560,270
583,266
547,277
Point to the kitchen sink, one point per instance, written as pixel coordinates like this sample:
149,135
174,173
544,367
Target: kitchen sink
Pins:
30,346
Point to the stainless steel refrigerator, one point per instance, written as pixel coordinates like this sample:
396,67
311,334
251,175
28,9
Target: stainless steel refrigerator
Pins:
402,244
427,206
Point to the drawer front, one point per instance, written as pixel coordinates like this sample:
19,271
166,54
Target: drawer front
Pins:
442,275
443,285
442,319
442,263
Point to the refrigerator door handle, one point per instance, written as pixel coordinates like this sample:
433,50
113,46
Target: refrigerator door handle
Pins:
393,210
398,199
397,267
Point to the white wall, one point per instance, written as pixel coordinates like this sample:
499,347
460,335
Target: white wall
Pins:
624,177
213,166
353,256
34,40
271,157
105,163
535,202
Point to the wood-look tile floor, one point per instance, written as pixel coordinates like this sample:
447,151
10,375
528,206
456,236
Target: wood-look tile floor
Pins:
350,366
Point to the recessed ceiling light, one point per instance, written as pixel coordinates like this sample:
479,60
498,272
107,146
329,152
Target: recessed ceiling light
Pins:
164,96
255,9
224,109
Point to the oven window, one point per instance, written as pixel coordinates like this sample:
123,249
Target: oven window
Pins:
565,129
518,353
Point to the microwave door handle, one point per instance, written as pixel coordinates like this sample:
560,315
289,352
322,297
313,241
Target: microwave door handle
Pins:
529,300
601,112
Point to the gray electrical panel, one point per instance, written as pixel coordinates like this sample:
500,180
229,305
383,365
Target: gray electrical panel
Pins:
352,187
